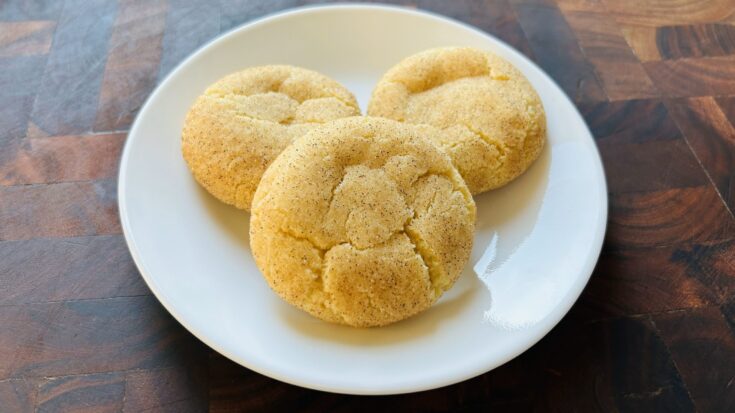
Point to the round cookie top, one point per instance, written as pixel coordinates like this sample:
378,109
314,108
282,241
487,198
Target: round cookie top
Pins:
243,121
492,121
362,221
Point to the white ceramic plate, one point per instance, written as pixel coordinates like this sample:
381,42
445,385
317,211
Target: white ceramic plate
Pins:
540,236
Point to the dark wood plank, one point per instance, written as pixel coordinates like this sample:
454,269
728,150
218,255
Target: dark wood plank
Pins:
614,365
728,310
696,40
174,390
548,3
709,76
712,137
132,62
630,121
699,340
493,16
19,81
581,5
189,24
91,393
650,166
62,159
653,280
23,10
666,217
705,39
67,99
557,51
622,75
237,12
59,210
25,38
642,40
664,12
712,265
91,336
727,105
18,395
42,270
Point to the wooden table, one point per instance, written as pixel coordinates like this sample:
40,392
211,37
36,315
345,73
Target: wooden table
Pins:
653,331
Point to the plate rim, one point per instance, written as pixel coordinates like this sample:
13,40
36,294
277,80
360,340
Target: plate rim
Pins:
551,320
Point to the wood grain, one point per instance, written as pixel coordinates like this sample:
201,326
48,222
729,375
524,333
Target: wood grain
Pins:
25,10
712,137
618,364
557,51
19,81
665,217
493,16
728,310
581,5
62,159
727,105
235,12
175,390
711,76
87,393
650,166
68,209
630,121
43,270
90,336
698,337
132,62
666,12
696,40
642,41
681,41
654,331
620,72
189,24
639,281
25,38
67,100
18,395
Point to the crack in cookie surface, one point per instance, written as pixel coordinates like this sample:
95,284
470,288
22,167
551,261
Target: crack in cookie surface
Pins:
281,109
238,126
367,214
470,88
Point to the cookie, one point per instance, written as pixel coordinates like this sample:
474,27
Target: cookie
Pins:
362,221
492,121
242,122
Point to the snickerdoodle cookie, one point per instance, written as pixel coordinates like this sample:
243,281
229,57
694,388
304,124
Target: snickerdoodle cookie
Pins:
492,120
242,122
362,221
